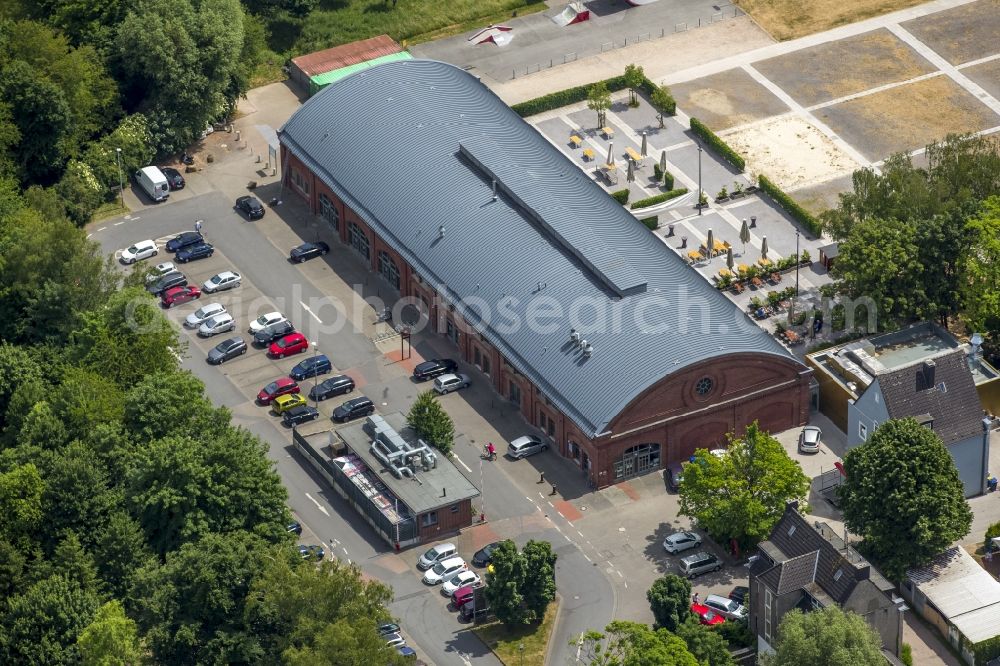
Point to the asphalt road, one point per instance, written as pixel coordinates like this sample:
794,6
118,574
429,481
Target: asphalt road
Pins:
270,282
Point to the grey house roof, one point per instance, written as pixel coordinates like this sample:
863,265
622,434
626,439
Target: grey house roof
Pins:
950,398
414,146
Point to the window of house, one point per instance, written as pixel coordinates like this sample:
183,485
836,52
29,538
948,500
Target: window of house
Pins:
454,508
328,212
486,364
387,268
515,393
477,357
862,431
451,331
768,602
359,241
552,428
874,425
430,518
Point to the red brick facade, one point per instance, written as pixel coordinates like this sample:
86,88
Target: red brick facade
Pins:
670,415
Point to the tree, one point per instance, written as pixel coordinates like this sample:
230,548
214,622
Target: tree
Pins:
599,100
706,644
21,490
825,637
172,403
429,420
634,78
742,494
505,585
627,643
981,269
78,494
663,102
903,496
111,639
670,600
41,625
120,549
42,116
540,577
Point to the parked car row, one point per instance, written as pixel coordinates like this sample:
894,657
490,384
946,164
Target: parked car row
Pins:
443,566
390,632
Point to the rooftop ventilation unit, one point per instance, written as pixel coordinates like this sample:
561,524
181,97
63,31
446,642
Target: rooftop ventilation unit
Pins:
588,349
399,456
574,336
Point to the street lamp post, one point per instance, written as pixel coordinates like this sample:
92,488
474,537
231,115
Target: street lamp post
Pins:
699,179
121,179
797,234
520,648
315,376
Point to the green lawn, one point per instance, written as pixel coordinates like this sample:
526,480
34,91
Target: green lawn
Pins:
341,21
534,638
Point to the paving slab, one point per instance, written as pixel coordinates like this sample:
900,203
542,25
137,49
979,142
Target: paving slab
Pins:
963,33
727,99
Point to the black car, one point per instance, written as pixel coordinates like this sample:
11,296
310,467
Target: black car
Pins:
196,251
183,240
353,409
272,332
336,385
468,612
311,552
299,415
388,628
166,282
294,528
174,178
484,555
251,207
434,367
226,350
674,474
308,251
311,367
739,594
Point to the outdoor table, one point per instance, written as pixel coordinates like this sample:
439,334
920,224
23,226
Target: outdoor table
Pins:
695,255
634,156
576,141
608,132
588,153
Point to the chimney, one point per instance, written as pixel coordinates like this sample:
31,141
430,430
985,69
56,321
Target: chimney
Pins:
928,373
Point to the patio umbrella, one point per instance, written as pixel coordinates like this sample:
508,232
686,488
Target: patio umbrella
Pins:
744,235
663,160
611,153
631,171
730,262
642,150
710,243
763,247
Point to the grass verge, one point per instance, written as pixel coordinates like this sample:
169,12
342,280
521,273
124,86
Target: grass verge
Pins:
109,209
788,19
481,22
535,638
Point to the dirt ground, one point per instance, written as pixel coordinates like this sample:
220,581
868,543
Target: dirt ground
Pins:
844,67
727,99
823,196
987,75
963,33
788,19
791,152
907,117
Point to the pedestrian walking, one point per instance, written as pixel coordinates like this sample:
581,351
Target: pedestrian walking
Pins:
696,598
197,226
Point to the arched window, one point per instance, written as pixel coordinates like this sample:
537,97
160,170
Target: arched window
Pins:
637,459
359,241
387,268
329,212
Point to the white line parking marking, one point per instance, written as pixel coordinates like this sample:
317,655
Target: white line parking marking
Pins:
587,558
460,462
318,505
306,308
102,228
118,224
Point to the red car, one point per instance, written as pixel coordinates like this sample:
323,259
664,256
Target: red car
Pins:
177,295
706,615
462,595
282,386
293,343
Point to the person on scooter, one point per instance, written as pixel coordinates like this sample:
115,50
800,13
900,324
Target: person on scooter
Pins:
491,451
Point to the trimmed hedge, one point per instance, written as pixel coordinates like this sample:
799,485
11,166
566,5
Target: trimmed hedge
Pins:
621,196
718,145
659,198
569,96
801,215
652,223
668,180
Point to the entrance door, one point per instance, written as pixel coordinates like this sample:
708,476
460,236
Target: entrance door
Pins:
637,459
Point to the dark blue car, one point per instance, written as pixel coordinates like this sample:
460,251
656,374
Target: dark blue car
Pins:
197,251
310,367
183,240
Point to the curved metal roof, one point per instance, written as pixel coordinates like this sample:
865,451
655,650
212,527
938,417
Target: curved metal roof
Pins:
414,147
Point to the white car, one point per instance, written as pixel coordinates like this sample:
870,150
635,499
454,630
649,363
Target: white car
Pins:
461,579
266,320
525,446
448,383
394,640
727,608
221,282
681,541
809,439
141,250
442,571
203,314
166,268
221,323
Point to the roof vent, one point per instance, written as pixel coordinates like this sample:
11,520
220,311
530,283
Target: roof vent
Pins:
494,189
441,231
588,349
942,387
838,574
574,336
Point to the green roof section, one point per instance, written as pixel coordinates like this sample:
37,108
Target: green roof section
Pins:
320,81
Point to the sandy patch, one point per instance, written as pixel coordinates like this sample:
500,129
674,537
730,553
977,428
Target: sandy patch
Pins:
788,19
791,152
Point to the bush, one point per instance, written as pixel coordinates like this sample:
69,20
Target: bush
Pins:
668,180
621,196
563,98
737,634
651,223
718,145
991,532
906,654
800,214
659,198
657,171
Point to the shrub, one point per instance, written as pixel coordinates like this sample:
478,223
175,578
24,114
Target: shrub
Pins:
800,214
657,171
621,196
668,180
569,96
737,634
991,532
717,144
659,198
651,223
906,654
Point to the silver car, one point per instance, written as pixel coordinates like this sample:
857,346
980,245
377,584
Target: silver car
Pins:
221,282
450,382
727,608
809,439
222,323
203,314
681,541
525,446
161,269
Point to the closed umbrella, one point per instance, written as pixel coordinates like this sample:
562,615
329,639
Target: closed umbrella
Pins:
763,247
730,262
611,153
663,160
710,243
631,171
744,235
642,150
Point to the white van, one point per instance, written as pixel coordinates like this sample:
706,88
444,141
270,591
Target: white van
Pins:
153,182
